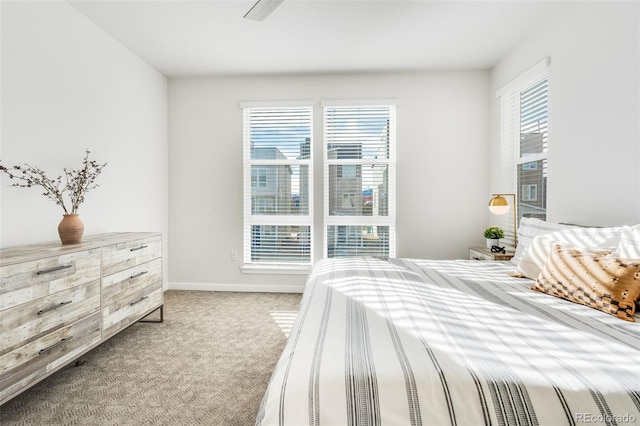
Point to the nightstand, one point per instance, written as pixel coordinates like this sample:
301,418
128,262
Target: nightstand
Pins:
483,253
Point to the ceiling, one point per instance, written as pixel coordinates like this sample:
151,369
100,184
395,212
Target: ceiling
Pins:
210,37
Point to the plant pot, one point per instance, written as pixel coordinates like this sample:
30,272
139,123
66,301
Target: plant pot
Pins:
493,242
70,229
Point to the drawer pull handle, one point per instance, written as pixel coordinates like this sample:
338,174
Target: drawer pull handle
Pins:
139,300
55,345
54,307
137,275
138,248
56,269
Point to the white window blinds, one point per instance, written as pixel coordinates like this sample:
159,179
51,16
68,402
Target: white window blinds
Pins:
359,180
277,185
532,159
524,142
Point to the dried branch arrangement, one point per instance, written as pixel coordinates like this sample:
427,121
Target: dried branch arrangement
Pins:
75,182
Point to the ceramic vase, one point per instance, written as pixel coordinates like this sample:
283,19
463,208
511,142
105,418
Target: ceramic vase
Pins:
70,229
493,242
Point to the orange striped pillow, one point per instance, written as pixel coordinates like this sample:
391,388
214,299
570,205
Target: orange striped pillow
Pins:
595,279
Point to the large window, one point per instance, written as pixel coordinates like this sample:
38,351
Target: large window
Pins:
359,180
524,119
531,169
277,189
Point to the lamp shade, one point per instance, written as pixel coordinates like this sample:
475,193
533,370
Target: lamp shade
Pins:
499,205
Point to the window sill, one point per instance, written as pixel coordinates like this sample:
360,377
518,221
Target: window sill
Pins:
276,270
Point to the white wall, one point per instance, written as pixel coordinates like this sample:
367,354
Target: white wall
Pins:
594,104
68,86
442,174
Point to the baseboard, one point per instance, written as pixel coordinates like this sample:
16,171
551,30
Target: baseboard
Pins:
256,288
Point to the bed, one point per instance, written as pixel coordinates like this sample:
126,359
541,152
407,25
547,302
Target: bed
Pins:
449,342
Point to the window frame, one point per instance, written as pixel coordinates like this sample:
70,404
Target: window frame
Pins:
349,221
510,142
249,218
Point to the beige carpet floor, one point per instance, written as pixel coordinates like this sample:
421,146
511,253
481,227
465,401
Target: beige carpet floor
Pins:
209,363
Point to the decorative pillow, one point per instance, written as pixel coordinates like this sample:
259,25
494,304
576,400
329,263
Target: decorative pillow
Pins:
595,279
535,257
629,246
527,231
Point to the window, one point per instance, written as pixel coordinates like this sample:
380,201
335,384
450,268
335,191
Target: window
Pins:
529,192
277,186
359,180
531,161
259,177
524,119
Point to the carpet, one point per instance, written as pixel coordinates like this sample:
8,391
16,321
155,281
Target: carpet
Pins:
209,363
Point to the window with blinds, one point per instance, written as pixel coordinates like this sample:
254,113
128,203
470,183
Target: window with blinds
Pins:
359,180
531,172
277,185
524,120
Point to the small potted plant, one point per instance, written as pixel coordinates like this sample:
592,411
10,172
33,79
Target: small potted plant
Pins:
493,235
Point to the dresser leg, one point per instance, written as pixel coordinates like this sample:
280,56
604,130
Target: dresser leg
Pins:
79,362
161,307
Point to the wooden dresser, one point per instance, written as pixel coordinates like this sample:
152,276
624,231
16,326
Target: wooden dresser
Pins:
58,302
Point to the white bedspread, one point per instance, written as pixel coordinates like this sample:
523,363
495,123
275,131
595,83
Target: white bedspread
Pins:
422,342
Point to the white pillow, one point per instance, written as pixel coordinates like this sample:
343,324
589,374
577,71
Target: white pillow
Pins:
629,247
584,239
529,228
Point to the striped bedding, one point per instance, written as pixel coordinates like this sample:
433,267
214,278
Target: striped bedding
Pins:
424,342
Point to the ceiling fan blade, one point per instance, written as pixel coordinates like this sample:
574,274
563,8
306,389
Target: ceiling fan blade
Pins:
262,9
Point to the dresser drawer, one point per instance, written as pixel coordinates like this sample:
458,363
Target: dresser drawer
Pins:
24,282
126,283
27,322
29,363
481,253
130,309
478,255
118,257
